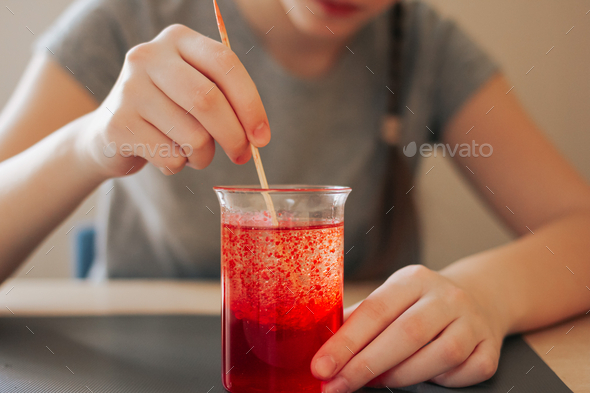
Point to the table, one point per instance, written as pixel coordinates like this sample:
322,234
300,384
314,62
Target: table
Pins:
564,347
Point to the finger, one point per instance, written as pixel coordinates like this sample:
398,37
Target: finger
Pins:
349,310
223,67
480,366
197,145
370,318
446,352
199,97
145,140
406,335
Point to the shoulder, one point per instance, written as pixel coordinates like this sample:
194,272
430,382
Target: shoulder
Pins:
123,8
135,20
424,25
92,37
439,36
442,64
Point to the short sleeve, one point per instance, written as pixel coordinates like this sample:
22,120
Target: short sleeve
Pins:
460,67
87,40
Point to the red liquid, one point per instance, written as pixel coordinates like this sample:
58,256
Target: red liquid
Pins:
282,299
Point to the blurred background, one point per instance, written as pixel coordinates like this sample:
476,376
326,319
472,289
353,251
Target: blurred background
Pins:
517,33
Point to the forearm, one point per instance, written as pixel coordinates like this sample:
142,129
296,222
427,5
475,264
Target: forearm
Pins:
536,280
39,188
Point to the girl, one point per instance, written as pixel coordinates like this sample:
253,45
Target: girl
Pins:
115,85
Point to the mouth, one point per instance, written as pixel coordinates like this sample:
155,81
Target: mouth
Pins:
338,8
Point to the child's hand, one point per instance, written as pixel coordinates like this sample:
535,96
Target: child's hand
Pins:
180,89
417,326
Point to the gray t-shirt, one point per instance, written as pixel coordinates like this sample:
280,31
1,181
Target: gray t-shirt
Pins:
324,131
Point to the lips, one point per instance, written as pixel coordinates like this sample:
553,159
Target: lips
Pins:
338,8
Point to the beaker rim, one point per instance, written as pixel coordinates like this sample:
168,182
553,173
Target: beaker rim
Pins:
284,188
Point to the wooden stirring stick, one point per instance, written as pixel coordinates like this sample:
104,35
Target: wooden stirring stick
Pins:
255,154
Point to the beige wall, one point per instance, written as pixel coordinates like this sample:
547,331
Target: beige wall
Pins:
517,33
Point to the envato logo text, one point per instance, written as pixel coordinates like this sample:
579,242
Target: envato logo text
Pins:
163,150
463,150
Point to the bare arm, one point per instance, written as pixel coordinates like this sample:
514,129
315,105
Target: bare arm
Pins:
448,327
41,186
45,174
528,279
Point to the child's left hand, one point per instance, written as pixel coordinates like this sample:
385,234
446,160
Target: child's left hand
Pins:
384,340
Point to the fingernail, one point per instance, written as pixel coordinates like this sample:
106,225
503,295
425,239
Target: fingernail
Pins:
338,385
325,366
261,134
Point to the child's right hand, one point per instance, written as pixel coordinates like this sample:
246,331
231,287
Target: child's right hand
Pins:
180,89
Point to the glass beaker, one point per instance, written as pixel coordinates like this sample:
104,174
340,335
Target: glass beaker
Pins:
281,285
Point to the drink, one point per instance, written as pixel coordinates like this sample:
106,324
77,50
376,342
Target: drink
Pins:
282,299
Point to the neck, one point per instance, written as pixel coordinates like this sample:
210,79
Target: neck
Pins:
303,55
